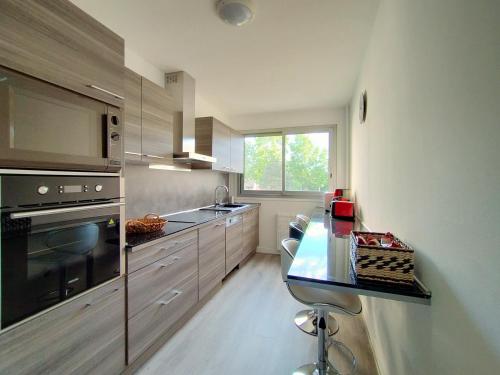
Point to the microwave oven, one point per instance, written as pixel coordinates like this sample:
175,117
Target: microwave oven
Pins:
43,126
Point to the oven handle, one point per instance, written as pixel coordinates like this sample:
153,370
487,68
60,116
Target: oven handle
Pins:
22,215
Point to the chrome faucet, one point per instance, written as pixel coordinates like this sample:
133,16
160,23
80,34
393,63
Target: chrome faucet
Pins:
216,189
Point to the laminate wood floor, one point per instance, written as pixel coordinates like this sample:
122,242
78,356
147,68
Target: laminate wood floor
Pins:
247,328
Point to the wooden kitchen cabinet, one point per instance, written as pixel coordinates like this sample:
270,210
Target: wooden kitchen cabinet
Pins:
234,242
213,138
85,335
57,42
149,283
149,116
250,231
237,150
160,250
212,256
160,293
133,115
157,123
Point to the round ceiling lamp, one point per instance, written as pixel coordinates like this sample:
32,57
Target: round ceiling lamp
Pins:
235,12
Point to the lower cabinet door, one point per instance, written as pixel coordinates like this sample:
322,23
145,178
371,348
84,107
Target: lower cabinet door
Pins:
250,231
212,256
155,320
83,336
234,244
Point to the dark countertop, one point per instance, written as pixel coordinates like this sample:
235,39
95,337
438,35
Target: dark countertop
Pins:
169,229
182,221
323,259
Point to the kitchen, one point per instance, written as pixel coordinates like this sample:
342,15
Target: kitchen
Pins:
195,187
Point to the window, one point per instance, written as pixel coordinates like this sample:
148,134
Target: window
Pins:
287,163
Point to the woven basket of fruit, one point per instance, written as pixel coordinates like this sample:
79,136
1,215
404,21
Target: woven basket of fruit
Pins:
381,257
149,223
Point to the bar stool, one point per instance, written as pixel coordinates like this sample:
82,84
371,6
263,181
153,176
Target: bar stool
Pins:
303,221
324,302
295,230
305,320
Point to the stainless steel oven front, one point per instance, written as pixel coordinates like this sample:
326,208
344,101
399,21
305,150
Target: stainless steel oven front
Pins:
60,236
43,126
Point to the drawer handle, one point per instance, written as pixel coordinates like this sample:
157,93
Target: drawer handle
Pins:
177,293
133,153
163,265
220,224
88,304
106,91
154,156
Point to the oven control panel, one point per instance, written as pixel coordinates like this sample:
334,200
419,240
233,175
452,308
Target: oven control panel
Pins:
40,190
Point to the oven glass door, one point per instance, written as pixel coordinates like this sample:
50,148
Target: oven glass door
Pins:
48,258
40,122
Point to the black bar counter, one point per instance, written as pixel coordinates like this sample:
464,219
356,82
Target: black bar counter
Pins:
323,261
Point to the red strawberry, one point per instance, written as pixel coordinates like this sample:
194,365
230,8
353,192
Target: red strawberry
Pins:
361,240
390,235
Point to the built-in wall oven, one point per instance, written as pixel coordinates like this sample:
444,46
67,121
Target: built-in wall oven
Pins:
44,126
60,236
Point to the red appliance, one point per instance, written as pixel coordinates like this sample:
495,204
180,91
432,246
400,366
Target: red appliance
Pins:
342,209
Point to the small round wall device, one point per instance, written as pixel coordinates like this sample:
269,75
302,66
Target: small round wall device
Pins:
235,12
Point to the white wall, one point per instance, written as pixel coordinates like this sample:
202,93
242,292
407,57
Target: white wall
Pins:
426,165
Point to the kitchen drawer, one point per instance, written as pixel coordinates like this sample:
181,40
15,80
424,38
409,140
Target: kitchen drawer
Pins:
143,257
151,323
82,336
147,284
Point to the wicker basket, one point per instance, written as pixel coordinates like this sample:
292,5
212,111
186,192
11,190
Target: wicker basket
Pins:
379,263
149,223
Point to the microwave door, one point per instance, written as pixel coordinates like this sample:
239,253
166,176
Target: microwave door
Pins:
44,126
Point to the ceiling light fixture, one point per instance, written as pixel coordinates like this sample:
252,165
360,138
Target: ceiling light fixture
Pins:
235,12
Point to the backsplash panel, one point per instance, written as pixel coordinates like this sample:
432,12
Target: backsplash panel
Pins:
162,192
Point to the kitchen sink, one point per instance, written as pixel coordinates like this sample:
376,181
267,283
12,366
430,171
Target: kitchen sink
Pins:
224,207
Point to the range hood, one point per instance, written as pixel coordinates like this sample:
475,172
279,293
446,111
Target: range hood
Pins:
181,86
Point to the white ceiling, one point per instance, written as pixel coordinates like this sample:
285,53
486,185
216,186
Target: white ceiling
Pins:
296,54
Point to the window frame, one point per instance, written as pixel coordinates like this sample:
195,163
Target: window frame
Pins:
283,132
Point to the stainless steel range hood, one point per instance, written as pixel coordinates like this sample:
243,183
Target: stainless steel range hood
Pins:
181,86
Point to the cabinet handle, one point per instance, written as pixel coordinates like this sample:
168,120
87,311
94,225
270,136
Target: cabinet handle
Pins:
106,91
220,224
177,293
154,156
133,153
88,304
163,265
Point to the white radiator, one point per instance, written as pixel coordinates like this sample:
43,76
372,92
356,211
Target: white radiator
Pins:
282,230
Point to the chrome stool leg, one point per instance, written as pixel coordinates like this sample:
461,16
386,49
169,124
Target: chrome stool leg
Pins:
306,321
322,366
340,358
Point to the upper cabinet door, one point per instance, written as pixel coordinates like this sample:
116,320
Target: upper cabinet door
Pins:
57,42
237,149
221,146
133,115
157,123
